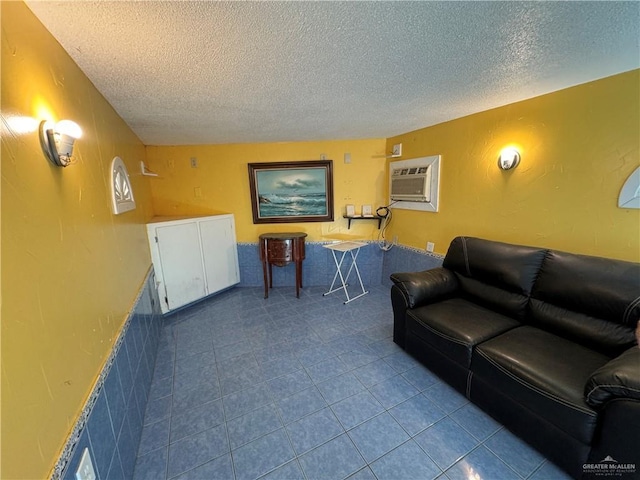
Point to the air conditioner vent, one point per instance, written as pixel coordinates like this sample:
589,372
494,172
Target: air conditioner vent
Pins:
411,184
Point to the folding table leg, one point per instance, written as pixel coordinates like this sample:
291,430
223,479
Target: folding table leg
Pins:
335,276
354,264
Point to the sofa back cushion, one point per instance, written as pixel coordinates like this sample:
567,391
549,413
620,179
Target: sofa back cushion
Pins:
593,301
497,275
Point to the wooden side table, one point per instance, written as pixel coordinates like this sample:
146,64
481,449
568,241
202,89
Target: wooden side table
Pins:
280,249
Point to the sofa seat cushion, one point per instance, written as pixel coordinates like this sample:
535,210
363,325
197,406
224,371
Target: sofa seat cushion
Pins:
456,325
544,373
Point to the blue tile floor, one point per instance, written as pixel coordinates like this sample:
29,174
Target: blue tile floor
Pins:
310,388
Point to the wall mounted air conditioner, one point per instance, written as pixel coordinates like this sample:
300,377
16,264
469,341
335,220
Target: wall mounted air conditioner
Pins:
411,184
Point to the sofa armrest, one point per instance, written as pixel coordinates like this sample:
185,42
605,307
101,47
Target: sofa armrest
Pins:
617,437
427,286
618,378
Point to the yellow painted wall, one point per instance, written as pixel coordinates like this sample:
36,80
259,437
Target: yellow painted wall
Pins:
578,146
220,183
70,269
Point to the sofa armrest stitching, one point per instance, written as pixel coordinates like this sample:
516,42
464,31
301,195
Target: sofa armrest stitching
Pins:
612,387
542,392
629,309
403,291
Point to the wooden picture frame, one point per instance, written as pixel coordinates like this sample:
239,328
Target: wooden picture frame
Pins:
291,192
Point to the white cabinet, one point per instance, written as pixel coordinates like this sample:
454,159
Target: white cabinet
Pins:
193,257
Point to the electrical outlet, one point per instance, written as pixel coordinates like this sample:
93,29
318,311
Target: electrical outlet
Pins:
397,150
194,162
430,246
347,158
395,239
197,192
85,470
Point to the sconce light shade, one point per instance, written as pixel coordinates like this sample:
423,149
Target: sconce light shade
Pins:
57,140
509,158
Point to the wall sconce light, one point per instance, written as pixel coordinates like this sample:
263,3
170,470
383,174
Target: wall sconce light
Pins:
57,140
509,158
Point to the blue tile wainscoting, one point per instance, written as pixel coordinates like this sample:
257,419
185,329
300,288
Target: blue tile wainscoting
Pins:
111,422
407,259
318,268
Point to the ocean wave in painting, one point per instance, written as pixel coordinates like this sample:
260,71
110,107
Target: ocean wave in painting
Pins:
285,205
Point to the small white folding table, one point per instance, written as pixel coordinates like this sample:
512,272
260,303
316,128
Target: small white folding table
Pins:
353,248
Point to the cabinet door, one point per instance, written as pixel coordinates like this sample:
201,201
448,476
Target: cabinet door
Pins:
181,263
220,253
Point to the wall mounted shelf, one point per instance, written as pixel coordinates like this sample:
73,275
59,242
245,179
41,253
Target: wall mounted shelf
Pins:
146,172
373,217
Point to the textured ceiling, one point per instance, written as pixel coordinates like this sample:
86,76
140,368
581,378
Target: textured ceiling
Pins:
186,72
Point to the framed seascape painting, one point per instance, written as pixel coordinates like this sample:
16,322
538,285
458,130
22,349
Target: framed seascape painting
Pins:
288,192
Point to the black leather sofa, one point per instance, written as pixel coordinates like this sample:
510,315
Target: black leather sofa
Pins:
541,340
